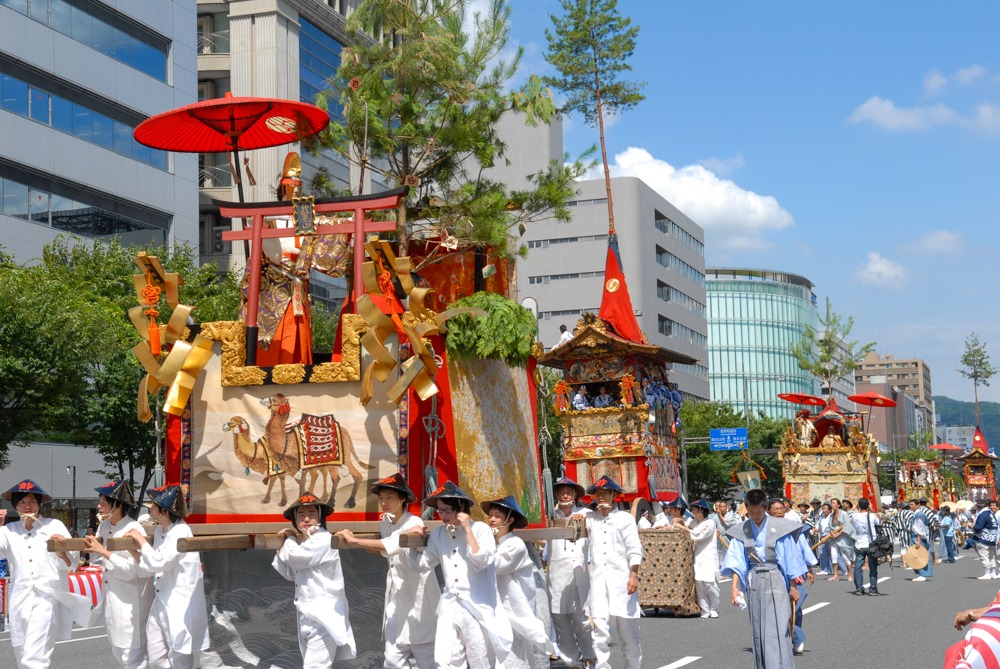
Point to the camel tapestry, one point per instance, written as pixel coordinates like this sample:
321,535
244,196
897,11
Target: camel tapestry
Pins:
255,448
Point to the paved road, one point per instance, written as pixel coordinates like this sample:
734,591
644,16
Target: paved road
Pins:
907,627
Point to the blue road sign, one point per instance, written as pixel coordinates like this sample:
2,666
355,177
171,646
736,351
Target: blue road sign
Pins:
727,438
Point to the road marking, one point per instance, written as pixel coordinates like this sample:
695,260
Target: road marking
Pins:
683,662
815,607
959,557
881,580
86,638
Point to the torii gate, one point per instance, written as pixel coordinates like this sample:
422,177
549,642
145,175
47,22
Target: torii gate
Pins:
258,211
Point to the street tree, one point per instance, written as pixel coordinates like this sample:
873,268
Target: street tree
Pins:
590,46
49,334
826,352
419,106
104,416
976,366
710,472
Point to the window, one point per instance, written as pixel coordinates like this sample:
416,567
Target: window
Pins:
15,95
39,108
76,119
80,25
79,218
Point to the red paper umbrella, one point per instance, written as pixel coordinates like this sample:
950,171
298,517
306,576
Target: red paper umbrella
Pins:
803,398
944,446
230,124
872,399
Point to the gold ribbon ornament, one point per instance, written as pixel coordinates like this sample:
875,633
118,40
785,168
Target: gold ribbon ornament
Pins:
383,312
178,370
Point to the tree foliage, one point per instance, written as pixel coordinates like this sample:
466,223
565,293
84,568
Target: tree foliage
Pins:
507,333
709,472
590,46
976,366
421,103
68,340
826,352
49,333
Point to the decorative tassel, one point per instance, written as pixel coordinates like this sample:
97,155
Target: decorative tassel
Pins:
154,338
246,165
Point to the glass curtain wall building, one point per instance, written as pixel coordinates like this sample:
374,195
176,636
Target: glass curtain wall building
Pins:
76,78
754,317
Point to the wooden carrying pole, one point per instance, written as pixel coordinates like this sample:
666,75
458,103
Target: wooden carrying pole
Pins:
571,533
77,544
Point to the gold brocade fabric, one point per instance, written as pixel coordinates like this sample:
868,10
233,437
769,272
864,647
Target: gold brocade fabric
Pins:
666,575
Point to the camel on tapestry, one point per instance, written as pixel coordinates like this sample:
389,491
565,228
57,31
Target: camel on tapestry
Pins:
316,446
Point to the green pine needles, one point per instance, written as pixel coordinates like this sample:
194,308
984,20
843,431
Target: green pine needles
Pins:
507,333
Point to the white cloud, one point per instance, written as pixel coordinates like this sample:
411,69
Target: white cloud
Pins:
935,243
885,114
733,218
880,271
724,165
970,75
935,83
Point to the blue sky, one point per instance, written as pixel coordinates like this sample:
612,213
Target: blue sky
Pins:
854,143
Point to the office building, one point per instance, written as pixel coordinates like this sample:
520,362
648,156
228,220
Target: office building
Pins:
910,375
662,250
956,435
754,318
75,79
895,428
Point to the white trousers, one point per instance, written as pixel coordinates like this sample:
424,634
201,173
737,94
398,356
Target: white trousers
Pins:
988,555
39,636
397,655
628,635
129,658
161,655
574,638
521,655
473,647
708,596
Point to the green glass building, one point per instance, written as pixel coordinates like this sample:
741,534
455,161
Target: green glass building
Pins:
754,317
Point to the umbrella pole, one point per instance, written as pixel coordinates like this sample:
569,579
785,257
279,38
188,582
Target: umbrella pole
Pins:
252,329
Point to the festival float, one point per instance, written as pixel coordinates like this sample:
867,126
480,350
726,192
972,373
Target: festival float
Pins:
979,470
628,429
829,455
254,418
923,479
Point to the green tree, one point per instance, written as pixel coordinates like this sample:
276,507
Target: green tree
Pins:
709,472
421,104
826,352
105,415
590,46
49,333
976,366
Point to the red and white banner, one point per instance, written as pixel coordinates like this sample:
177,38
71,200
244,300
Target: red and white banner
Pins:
86,583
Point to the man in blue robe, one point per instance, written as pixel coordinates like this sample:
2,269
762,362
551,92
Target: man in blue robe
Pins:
765,561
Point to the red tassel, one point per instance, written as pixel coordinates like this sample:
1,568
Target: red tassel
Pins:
154,339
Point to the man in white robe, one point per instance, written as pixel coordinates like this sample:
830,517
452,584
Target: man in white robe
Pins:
615,556
516,583
127,589
42,609
411,597
177,629
307,558
472,626
569,582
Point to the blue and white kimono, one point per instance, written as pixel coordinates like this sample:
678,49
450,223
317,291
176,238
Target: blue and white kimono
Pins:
767,559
